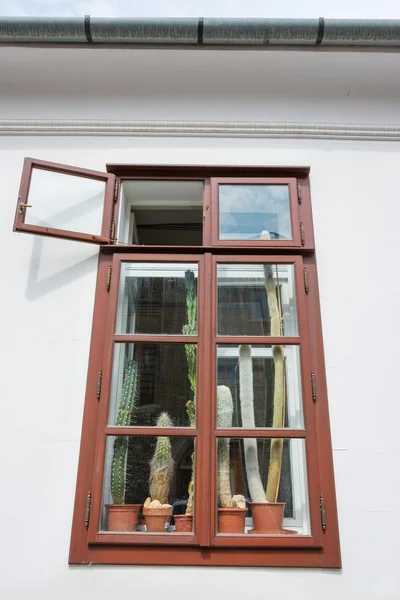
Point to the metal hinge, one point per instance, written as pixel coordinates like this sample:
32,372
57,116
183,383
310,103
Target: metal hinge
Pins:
112,232
323,513
108,280
299,192
305,274
87,509
302,233
116,190
313,387
99,382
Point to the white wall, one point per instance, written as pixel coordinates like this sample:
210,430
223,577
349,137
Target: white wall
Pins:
47,301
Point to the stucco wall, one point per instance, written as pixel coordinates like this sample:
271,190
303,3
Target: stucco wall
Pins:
47,302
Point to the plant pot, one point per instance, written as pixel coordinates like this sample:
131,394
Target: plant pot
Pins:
157,518
268,518
231,520
122,517
183,523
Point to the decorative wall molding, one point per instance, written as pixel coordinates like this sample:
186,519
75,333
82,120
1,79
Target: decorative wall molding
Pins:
338,131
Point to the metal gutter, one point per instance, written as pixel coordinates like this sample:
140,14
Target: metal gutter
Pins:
199,32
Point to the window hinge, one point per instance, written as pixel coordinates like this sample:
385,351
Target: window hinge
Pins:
302,233
323,513
313,387
87,509
116,190
112,232
298,192
99,382
108,281
305,274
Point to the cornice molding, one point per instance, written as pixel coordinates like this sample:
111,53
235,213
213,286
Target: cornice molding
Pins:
333,131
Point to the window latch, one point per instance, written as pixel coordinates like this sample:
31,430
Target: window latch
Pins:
87,509
99,382
22,207
323,513
313,387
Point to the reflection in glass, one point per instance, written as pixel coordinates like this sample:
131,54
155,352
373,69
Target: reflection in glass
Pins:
65,202
138,468
254,212
157,298
256,299
254,469
252,377
151,378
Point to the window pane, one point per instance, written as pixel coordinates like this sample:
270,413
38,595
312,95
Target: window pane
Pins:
65,202
256,299
158,298
254,212
259,386
151,378
251,470
137,468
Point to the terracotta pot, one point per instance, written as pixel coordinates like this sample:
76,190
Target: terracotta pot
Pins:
231,520
268,517
183,523
122,517
157,518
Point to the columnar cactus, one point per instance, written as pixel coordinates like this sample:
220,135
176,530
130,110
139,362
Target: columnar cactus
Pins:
224,419
256,487
191,329
126,406
162,464
276,452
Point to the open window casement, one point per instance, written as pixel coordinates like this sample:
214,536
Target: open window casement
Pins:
67,202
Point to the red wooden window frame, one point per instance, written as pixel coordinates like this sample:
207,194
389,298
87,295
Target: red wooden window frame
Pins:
109,209
205,547
297,229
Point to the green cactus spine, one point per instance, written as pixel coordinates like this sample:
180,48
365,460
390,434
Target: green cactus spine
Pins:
191,329
126,405
162,464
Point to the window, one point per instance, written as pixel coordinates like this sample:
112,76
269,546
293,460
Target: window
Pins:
206,434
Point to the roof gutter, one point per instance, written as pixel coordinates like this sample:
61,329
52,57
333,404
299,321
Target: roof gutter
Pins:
199,32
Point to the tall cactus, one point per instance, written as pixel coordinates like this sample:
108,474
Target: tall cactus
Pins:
276,449
126,406
224,420
256,487
190,328
162,464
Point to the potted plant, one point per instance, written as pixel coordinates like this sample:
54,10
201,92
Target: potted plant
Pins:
184,523
232,510
156,510
121,516
267,511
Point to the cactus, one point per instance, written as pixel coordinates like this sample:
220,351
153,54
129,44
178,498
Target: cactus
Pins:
162,464
276,451
126,405
190,328
256,487
224,419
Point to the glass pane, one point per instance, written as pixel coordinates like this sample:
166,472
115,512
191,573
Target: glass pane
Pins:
151,378
254,212
259,386
158,298
251,471
256,299
65,202
138,468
